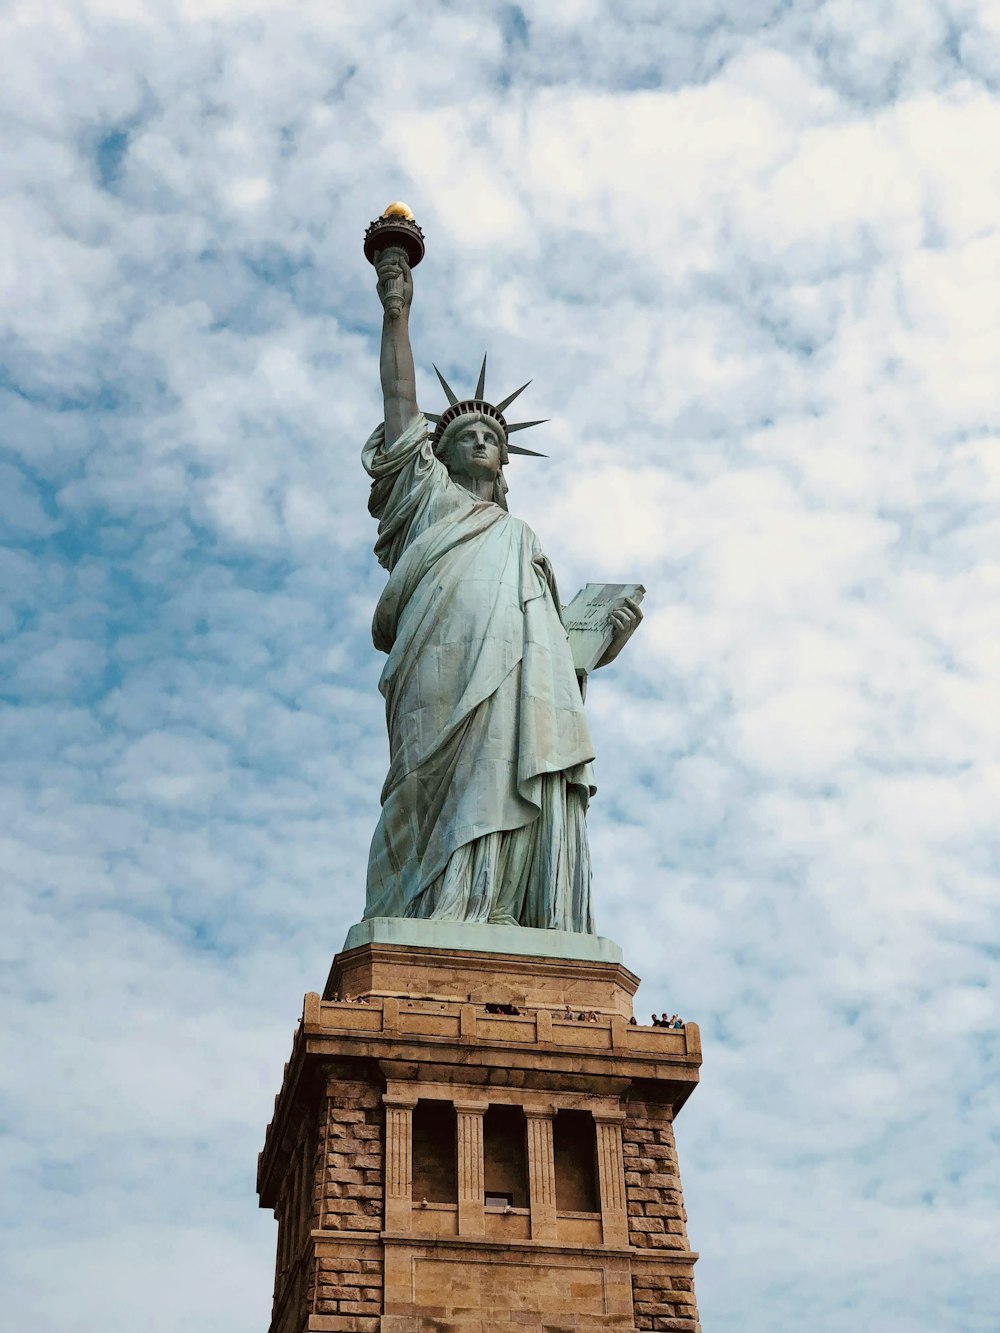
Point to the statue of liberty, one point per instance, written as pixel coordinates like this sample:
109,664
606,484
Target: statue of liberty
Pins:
490,772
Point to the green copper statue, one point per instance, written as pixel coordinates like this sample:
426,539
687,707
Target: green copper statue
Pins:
483,808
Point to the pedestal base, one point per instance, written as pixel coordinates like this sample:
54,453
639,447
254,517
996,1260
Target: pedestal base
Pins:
455,1148
522,941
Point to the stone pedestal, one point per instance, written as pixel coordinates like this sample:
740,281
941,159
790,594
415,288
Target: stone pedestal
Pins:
437,1165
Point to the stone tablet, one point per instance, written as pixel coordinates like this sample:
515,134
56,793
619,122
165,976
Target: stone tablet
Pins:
587,620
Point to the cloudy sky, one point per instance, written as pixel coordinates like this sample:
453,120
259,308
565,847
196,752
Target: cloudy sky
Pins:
748,250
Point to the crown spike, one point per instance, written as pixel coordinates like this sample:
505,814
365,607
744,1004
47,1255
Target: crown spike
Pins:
501,407
432,416
481,383
531,453
523,425
447,388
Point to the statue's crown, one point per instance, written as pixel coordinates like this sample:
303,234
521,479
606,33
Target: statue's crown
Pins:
460,407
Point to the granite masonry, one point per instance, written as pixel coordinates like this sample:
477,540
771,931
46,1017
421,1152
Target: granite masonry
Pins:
435,1164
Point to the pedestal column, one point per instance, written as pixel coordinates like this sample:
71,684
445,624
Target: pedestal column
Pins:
611,1178
398,1162
541,1174
471,1176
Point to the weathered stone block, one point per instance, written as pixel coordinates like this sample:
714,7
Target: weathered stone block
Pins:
345,1175
343,1323
347,1205
363,1160
658,1178
643,1195
359,1307
667,1241
660,1150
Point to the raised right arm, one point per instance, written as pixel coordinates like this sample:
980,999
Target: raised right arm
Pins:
399,387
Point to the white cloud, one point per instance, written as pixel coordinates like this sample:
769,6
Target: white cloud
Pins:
748,253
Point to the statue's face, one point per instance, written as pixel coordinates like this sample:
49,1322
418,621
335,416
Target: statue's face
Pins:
474,452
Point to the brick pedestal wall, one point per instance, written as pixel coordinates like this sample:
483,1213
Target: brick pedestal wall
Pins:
662,1299
349,1291
349,1189
358,1252
350,1196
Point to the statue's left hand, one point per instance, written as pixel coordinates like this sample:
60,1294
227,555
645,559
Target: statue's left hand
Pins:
626,619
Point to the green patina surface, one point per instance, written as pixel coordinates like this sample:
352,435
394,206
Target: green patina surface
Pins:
523,940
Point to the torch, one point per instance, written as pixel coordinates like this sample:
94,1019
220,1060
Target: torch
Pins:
395,229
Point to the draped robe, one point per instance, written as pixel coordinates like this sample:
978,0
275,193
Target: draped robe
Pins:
489,752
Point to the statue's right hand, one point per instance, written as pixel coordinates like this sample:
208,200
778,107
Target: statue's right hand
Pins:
394,281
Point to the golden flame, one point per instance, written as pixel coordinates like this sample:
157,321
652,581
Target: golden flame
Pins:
399,210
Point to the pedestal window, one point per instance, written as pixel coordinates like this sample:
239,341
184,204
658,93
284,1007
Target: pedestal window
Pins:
505,1158
435,1162
574,1146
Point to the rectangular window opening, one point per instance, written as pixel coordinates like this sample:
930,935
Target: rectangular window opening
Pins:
505,1152
574,1144
435,1153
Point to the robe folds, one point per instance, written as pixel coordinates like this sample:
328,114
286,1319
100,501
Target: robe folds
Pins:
489,751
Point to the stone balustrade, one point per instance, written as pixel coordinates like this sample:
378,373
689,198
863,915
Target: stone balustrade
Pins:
450,1019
